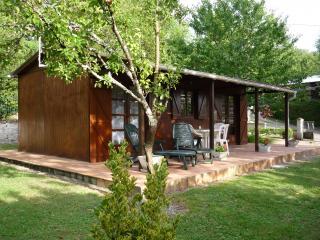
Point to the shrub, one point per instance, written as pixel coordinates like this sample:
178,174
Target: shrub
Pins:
219,149
124,214
264,141
306,109
290,133
251,138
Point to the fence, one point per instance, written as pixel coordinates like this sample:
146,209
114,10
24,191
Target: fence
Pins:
8,132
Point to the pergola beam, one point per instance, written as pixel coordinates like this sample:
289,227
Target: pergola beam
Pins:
286,120
256,121
211,116
262,91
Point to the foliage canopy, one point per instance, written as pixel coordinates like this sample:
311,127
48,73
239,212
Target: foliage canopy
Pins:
239,38
15,47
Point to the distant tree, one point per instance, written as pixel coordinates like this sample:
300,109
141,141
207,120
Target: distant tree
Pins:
103,38
303,64
240,38
318,45
15,47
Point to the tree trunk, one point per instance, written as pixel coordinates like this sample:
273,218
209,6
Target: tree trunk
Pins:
149,144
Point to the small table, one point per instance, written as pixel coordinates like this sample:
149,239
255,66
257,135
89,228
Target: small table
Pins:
205,133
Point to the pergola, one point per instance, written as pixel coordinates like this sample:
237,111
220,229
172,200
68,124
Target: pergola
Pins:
257,88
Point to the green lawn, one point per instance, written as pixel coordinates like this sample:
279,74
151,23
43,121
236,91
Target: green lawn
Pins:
8,146
276,204
38,207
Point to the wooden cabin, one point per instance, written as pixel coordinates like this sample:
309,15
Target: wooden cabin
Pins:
78,120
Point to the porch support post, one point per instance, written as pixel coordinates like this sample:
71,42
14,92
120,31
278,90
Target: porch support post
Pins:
256,119
286,120
211,114
142,135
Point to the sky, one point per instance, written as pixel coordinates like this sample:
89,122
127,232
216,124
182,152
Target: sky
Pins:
303,18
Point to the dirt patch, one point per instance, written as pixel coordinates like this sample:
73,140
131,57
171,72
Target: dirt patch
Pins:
177,208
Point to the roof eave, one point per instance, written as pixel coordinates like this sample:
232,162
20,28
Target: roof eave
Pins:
213,77
26,64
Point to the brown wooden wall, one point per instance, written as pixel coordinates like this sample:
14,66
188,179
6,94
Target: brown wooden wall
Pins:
75,120
53,116
201,116
100,123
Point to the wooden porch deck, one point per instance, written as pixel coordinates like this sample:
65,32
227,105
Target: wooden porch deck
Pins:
242,160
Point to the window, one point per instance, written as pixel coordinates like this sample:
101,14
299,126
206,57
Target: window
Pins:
118,115
124,110
186,101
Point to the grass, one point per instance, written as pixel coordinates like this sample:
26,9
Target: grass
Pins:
38,207
276,204
8,146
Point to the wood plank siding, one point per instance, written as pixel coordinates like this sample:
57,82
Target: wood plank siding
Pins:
77,120
53,116
227,96
100,123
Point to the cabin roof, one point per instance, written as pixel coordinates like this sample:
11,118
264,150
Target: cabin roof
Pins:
215,77
312,79
187,72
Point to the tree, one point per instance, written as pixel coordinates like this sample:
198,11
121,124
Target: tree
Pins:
239,38
318,45
14,49
303,64
104,38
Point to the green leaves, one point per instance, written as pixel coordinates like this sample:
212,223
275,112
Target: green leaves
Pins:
239,38
15,47
123,214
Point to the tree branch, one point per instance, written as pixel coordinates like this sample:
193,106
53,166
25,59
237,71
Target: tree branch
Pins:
113,81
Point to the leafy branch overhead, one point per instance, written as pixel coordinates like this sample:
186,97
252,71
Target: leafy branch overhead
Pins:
240,38
15,48
120,43
104,37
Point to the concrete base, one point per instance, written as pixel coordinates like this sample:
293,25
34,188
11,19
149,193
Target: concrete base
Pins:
242,160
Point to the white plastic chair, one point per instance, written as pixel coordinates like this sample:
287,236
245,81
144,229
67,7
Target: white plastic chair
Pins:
222,134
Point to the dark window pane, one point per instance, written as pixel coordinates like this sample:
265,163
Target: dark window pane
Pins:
117,122
117,93
186,101
117,106
134,108
117,137
135,121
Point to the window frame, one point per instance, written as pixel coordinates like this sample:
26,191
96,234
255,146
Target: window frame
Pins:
184,109
127,101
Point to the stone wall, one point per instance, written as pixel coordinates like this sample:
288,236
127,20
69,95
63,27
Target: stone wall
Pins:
8,132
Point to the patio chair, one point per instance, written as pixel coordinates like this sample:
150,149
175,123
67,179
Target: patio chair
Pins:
183,140
222,133
133,136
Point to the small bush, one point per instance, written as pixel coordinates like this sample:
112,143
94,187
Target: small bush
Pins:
251,138
124,214
290,133
300,107
219,149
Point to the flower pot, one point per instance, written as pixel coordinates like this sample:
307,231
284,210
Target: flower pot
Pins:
220,155
264,148
157,159
293,143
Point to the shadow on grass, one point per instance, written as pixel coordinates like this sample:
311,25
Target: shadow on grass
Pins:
42,208
9,172
278,204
